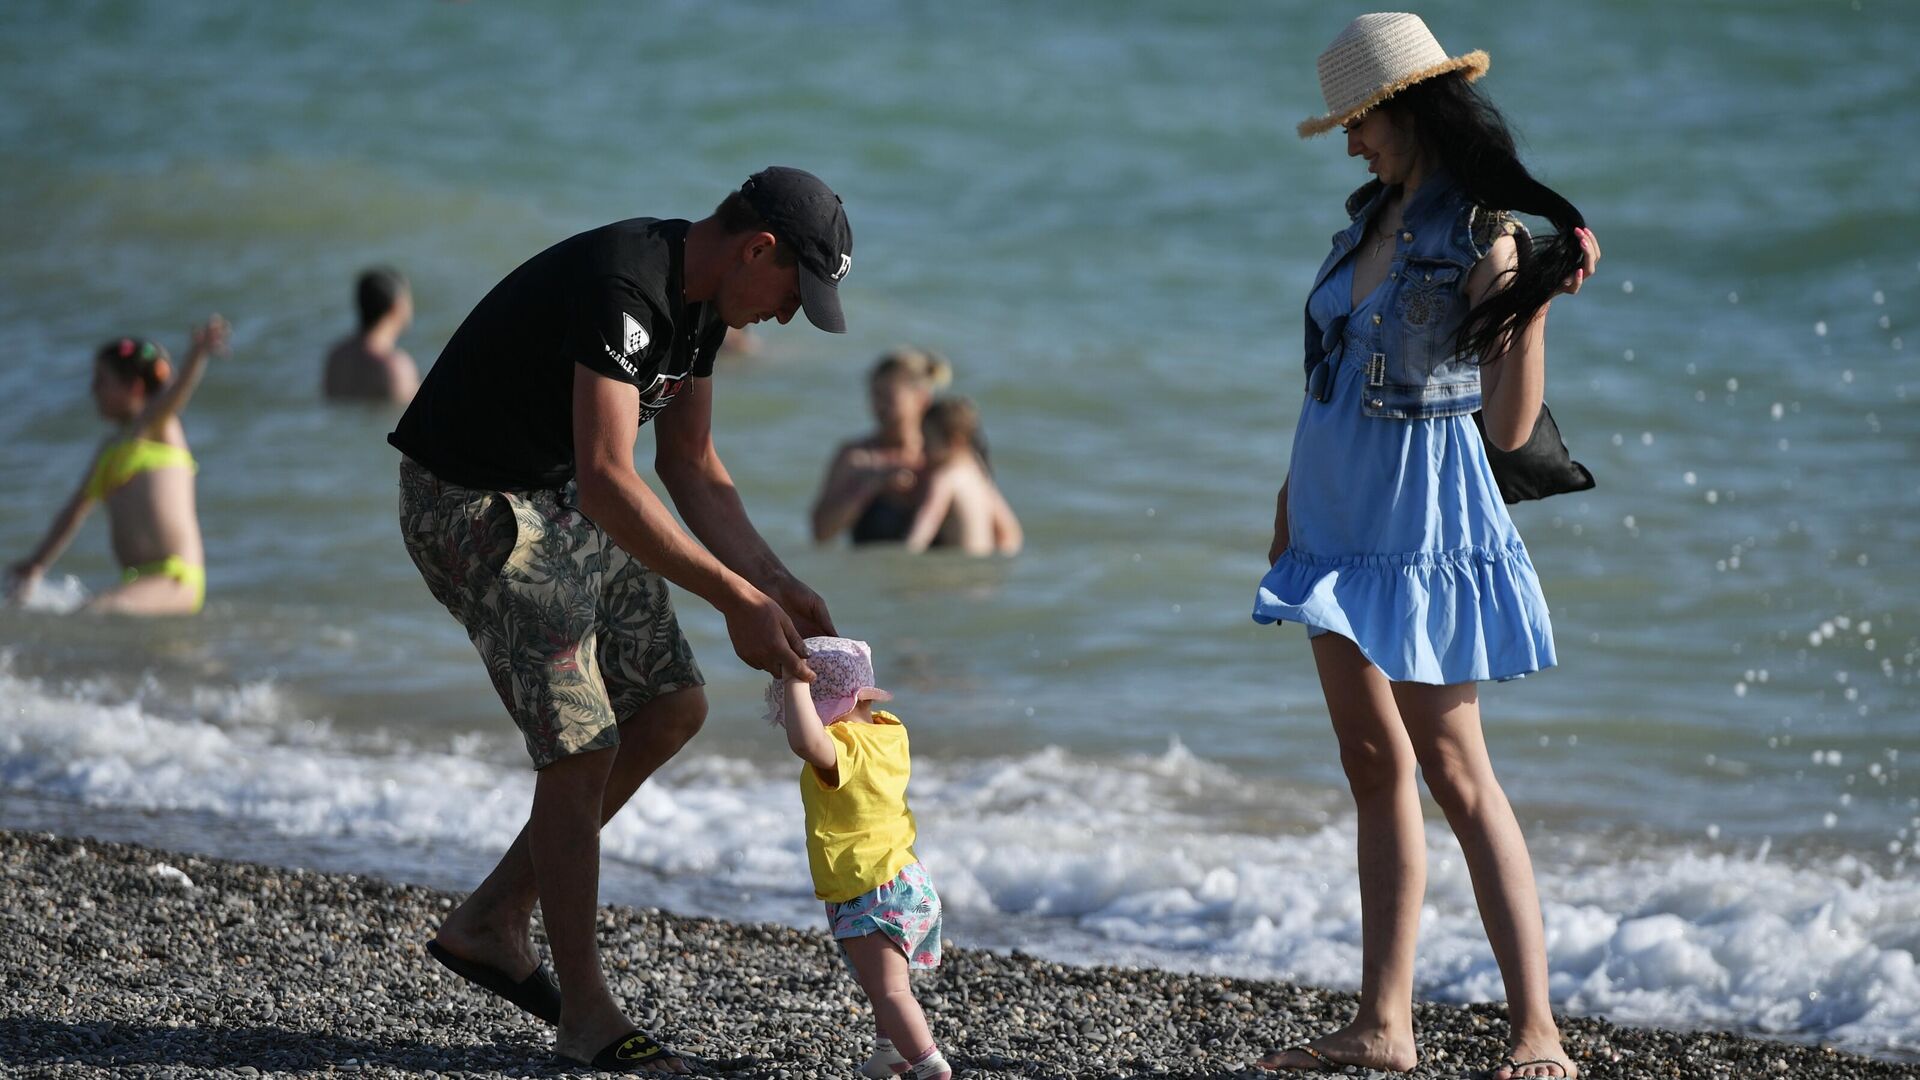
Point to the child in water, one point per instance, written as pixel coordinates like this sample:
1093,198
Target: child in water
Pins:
144,473
881,907
963,508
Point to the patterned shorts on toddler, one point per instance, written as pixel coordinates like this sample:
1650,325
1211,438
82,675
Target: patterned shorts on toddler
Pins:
905,909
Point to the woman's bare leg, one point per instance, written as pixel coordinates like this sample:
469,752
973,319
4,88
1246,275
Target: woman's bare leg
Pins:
1379,763
1443,723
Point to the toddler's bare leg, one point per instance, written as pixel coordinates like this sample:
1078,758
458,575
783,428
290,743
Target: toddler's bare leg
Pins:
882,971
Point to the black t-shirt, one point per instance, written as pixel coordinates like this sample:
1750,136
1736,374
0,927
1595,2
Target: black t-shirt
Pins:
496,411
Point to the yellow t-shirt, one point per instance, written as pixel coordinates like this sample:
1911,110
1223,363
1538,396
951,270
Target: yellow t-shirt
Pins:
859,832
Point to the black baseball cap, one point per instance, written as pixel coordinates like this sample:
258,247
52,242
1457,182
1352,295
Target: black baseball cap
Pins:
802,211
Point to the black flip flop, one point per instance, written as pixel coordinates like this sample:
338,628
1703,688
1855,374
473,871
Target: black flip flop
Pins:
538,993
630,1053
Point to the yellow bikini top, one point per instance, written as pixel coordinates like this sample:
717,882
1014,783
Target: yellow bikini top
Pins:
128,458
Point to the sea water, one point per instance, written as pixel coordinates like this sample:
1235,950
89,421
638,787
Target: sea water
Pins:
1102,215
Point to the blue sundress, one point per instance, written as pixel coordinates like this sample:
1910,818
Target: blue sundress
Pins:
1398,539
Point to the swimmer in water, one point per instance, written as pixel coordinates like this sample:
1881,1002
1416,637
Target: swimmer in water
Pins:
369,364
963,508
144,473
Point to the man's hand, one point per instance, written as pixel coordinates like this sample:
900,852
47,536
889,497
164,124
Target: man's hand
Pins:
804,606
764,637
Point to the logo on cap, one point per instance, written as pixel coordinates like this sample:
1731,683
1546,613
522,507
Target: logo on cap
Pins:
846,264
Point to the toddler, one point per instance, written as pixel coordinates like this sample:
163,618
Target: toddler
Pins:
963,507
881,906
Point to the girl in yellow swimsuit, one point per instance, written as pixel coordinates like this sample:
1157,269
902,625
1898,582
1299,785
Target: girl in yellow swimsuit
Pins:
144,473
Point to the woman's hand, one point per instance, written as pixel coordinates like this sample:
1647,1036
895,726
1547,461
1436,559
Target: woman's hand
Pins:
1279,545
1589,244
1282,535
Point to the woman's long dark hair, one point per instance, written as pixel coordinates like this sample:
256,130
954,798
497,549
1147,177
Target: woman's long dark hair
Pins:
1462,131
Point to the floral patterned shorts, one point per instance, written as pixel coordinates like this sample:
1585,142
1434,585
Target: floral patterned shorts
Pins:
576,634
905,909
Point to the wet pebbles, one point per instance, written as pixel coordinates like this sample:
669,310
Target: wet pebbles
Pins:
118,960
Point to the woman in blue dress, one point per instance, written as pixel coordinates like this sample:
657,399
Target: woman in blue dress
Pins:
1390,540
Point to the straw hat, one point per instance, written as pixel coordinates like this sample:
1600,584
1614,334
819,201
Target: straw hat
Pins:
1376,57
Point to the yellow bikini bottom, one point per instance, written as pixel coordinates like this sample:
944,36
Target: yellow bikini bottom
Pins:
177,568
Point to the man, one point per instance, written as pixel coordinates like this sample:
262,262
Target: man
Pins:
369,364
520,505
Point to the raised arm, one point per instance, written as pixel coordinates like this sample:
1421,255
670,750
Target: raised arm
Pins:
606,423
1513,382
702,490
208,339
807,736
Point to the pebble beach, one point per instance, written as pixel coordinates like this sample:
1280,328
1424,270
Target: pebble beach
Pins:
1110,228
120,960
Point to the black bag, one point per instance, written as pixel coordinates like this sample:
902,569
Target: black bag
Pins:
1540,468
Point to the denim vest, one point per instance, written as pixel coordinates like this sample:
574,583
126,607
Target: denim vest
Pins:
1412,371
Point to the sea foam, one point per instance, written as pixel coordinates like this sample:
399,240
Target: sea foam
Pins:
1164,859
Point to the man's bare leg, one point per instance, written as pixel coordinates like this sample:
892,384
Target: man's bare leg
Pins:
564,840
493,925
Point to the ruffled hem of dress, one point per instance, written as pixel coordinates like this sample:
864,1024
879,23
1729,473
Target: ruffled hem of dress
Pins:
1466,615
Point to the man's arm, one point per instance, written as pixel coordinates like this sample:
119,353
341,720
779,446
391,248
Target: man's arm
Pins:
606,422
703,492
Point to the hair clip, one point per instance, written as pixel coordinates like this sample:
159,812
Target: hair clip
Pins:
126,348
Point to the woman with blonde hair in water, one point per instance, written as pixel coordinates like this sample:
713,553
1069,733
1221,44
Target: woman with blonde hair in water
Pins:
144,474
1391,542
873,486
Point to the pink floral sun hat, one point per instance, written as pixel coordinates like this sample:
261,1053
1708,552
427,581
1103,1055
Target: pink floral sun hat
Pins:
842,679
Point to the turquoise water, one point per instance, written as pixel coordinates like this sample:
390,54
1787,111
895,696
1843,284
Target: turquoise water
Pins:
1102,215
